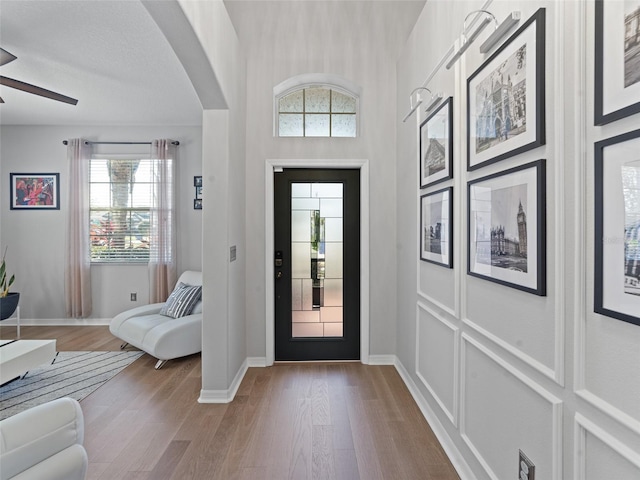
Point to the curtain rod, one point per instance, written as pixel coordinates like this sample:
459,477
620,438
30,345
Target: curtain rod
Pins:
86,142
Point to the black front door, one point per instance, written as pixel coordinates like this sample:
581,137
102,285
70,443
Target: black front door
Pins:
317,264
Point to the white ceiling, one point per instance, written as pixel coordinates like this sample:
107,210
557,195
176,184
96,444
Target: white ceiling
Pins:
113,58
110,55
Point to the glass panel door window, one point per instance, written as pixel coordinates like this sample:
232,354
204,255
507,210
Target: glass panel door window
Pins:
317,259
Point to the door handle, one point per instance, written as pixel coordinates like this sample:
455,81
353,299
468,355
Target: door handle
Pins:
279,274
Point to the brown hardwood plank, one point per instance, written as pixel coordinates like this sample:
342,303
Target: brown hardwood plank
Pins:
346,421
323,461
170,458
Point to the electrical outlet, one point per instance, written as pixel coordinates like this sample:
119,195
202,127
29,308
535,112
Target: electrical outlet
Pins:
134,297
526,468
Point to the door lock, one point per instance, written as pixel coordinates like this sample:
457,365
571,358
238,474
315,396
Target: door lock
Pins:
279,274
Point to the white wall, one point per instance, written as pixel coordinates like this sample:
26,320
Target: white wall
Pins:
494,368
224,327
303,50
36,238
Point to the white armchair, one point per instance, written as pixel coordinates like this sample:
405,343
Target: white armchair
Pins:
160,336
44,442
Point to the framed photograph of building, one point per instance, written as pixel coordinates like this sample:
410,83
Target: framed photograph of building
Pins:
617,227
35,191
617,60
436,146
436,227
507,228
506,98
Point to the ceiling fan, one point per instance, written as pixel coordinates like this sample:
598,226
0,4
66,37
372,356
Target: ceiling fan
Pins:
6,57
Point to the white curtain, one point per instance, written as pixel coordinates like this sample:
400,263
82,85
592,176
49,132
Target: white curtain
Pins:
162,238
77,275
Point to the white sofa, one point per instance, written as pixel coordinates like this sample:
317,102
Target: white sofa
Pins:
162,337
44,442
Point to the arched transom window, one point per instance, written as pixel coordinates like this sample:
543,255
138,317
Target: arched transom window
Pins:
317,111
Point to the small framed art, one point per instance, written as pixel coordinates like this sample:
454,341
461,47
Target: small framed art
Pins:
436,146
35,191
436,227
197,181
506,98
506,228
617,60
197,204
617,227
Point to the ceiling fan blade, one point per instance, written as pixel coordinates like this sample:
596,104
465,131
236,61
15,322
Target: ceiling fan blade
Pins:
27,87
6,57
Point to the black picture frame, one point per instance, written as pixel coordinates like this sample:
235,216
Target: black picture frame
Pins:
617,227
518,67
34,191
617,74
197,181
197,204
436,146
503,245
436,227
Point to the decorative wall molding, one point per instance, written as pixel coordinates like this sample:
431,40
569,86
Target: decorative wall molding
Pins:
613,412
582,426
433,301
451,413
586,135
448,445
559,194
555,402
529,360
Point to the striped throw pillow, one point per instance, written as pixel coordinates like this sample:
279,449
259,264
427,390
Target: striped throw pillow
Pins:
182,300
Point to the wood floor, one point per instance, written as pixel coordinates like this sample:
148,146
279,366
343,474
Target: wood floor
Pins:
300,421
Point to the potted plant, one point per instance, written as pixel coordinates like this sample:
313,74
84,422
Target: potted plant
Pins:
8,300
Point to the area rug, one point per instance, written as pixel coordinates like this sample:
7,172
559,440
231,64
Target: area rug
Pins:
72,374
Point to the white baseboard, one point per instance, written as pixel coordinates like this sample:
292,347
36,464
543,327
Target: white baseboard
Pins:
382,360
455,456
58,322
257,361
225,396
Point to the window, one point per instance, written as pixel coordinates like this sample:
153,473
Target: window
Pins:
317,111
120,192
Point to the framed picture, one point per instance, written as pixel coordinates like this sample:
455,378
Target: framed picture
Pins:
198,192
197,204
507,228
197,181
617,60
35,191
506,98
617,227
436,227
436,146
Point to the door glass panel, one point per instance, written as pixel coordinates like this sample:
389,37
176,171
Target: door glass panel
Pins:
333,292
333,262
301,260
317,256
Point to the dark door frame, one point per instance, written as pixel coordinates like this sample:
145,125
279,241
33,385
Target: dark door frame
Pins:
272,166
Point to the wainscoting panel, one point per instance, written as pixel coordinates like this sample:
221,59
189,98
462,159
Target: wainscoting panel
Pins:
599,454
437,339
494,392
